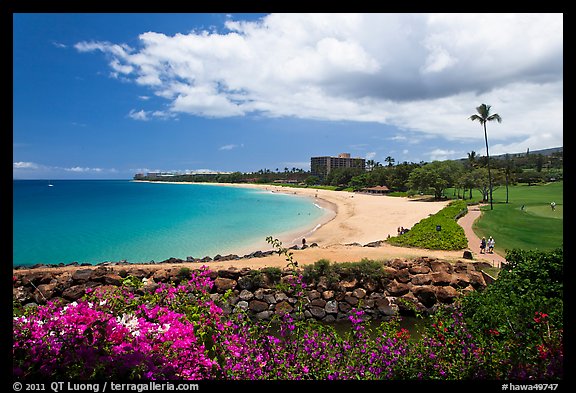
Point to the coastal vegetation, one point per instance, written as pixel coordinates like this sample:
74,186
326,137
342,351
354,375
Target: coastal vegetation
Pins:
435,178
437,232
512,330
364,270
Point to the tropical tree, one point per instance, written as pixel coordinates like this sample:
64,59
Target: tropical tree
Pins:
312,180
370,164
483,117
472,159
342,176
437,176
397,178
389,160
508,170
467,183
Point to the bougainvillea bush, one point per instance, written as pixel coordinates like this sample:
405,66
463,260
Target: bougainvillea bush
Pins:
177,332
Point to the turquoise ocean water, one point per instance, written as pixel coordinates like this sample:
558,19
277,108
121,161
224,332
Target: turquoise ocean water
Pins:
111,220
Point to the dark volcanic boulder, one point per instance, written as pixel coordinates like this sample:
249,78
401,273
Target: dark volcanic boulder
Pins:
422,279
283,308
82,275
397,288
257,306
446,294
441,278
425,295
75,292
224,284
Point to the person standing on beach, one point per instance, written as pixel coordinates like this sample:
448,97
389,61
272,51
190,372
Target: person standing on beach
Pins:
483,245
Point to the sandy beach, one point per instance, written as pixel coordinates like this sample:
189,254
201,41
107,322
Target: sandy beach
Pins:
352,221
354,217
356,220
350,217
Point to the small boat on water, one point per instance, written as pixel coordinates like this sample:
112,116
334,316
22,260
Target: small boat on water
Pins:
50,184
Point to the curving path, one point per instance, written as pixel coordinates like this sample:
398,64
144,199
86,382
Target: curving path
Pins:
466,222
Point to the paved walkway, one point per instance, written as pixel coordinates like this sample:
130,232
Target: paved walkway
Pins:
474,241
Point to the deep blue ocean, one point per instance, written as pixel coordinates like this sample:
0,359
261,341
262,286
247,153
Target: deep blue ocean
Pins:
96,221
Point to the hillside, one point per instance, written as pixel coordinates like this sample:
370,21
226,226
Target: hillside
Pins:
544,152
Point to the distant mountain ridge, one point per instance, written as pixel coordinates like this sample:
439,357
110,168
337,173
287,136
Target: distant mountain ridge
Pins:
544,152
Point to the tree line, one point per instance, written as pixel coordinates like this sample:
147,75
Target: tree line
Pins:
464,175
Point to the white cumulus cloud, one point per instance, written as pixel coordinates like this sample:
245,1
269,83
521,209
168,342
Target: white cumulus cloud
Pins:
230,146
82,169
422,72
138,115
25,165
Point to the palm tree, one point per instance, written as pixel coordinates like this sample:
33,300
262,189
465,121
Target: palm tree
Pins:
472,159
370,164
508,167
483,117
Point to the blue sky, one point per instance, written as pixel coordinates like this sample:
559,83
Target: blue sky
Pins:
108,95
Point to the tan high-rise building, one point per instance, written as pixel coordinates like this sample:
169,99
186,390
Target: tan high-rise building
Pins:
322,166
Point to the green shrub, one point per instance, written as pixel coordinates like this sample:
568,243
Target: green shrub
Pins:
313,272
259,277
273,273
365,269
132,281
522,311
438,232
335,272
184,273
530,282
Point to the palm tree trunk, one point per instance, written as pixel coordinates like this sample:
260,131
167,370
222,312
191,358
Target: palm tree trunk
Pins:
507,176
488,163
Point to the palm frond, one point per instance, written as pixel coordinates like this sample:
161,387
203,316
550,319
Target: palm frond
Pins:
496,117
476,117
483,110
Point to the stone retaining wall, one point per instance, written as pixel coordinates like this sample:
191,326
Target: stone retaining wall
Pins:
421,284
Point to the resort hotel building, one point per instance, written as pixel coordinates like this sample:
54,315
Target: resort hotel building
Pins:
322,166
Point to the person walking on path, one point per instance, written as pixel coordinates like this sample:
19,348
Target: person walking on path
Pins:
483,245
466,222
491,245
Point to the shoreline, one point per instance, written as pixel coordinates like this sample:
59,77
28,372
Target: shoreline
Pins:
353,221
354,218
288,238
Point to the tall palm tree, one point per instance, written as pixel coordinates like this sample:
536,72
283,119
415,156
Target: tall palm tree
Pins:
483,117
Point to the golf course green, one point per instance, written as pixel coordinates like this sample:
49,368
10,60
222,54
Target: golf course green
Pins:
527,221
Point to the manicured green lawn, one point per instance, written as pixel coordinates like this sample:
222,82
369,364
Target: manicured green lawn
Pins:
536,226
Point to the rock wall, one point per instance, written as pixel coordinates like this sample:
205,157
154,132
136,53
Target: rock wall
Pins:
420,284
